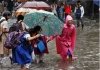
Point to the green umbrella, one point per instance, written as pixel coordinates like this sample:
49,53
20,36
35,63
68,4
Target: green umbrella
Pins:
50,24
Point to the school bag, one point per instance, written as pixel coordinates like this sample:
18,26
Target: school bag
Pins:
15,33
13,39
16,27
78,13
41,46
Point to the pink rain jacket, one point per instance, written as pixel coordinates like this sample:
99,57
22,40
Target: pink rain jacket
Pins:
66,41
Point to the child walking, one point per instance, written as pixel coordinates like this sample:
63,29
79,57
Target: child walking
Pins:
65,43
39,55
22,53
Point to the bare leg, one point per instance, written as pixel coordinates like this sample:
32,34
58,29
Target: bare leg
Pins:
70,58
22,67
37,59
41,57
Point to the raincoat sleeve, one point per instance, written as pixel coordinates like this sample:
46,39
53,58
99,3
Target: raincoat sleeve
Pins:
51,37
73,38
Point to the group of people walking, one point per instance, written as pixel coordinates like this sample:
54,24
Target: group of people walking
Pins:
6,5
63,9
23,52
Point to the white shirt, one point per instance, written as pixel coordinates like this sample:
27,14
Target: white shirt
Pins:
26,36
82,10
54,7
4,24
16,4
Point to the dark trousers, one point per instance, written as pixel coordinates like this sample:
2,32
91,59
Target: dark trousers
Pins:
66,15
78,22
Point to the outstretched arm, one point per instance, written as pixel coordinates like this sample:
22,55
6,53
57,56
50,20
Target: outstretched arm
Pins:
33,37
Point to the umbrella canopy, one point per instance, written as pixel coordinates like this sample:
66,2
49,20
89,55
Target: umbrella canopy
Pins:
45,12
35,5
20,5
23,11
50,24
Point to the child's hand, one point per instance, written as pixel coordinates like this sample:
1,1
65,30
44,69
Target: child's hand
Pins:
42,35
48,41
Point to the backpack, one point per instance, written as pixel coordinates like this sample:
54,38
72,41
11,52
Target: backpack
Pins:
78,13
41,46
13,39
16,27
15,33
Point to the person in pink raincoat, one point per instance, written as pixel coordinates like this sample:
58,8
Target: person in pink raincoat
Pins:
65,43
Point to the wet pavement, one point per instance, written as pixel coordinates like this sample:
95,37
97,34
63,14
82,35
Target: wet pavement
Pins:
86,53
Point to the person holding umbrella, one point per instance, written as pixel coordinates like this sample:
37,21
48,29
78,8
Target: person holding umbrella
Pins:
40,55
65,43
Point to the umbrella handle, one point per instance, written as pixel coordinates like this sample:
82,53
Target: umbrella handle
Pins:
45,17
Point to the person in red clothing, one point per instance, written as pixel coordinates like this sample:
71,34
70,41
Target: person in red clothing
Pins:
67,9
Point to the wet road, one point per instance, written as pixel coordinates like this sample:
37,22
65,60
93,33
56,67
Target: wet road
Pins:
86,53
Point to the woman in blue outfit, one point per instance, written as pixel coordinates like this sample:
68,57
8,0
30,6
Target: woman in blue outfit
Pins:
22,53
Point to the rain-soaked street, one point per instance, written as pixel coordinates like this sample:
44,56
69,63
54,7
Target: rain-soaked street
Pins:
86,53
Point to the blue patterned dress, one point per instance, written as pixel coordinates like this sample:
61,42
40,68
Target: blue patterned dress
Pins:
22,53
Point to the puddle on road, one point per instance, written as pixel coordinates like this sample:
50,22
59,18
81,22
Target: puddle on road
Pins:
65,65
